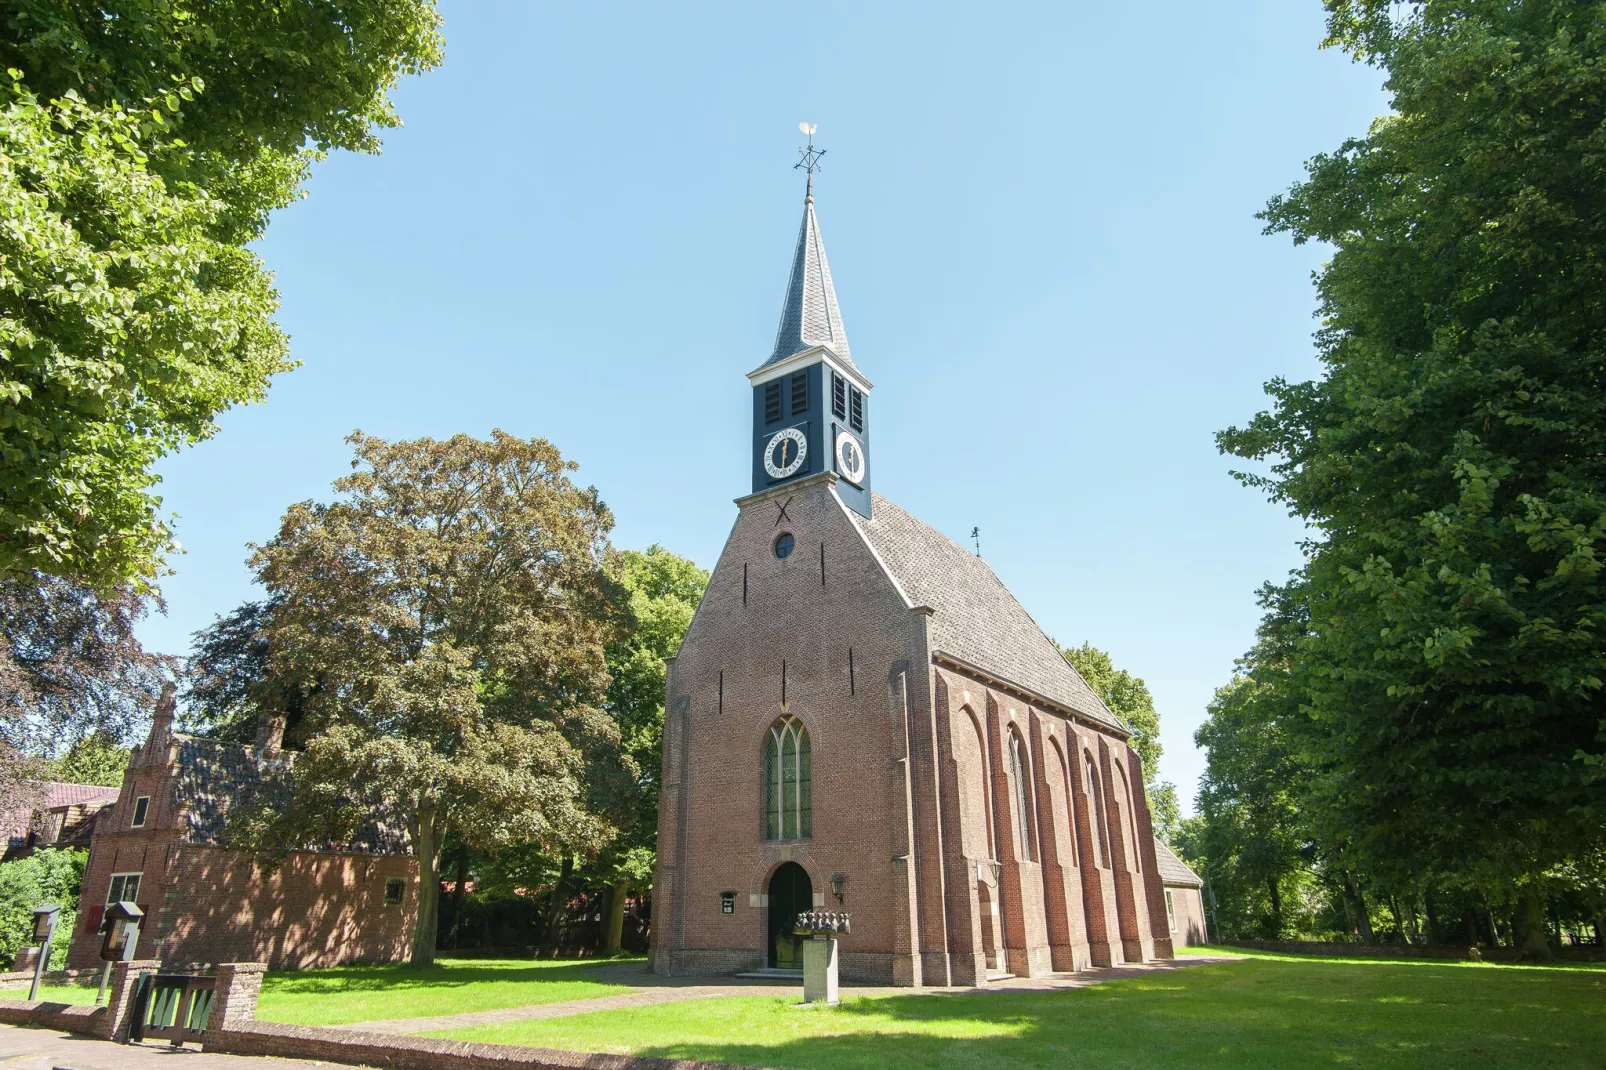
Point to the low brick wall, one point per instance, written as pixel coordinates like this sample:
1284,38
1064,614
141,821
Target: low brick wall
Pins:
353,1047
67,1017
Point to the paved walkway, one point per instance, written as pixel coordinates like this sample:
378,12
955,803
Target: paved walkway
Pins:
653,990
23,1048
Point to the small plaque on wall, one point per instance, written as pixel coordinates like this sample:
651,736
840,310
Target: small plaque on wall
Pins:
727,902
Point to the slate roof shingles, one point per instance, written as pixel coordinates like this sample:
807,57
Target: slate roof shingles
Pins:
214,778
1174,870
978,620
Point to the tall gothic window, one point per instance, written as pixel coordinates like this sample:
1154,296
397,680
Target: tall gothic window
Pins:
1017,779
1096,812
788,806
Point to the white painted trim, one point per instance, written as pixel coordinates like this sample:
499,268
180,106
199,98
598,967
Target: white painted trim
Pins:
823,354
125,873
134,820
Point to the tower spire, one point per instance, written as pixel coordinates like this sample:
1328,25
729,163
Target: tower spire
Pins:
810,316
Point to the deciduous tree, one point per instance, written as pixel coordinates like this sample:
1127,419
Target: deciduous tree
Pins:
142,148
1452,458
454,605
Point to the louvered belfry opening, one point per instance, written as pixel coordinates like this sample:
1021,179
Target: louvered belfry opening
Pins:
772,402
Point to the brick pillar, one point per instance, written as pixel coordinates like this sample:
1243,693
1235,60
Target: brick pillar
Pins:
906,963
234,1001
120,998
1126,909
1094,917
967,960
1057,876
1153,888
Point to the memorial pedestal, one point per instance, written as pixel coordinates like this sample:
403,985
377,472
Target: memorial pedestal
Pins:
819,970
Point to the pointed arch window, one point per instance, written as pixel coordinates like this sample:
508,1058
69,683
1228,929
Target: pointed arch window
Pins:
1096,812
788,805
1023,811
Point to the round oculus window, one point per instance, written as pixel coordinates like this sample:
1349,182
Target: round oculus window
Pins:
784,544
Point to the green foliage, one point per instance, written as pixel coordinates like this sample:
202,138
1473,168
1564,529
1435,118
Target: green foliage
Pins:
664,591
95,759
71,671
1440,652
1128,697
142,148
43,877
230,686
447,620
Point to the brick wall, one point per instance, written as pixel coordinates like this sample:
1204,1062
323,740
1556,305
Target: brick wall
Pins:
204,904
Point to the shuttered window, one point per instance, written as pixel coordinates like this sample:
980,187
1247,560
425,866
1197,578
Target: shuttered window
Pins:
772,401
856,408
839,396
800,393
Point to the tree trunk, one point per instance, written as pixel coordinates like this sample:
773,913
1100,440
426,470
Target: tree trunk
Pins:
1600,931
1531,915
1362,918
426,845
613,931
560,899
1435,935
457,893
1399,926
1276,908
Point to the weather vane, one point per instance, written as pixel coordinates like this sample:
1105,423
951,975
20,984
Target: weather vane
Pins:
811,156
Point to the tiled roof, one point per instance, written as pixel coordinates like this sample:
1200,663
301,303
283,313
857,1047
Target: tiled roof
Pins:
1174,870
978,621
214,778
810,316
37,795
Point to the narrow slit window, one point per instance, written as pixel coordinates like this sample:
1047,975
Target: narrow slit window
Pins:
1096,813
856,408
772,401
800,393
1023,810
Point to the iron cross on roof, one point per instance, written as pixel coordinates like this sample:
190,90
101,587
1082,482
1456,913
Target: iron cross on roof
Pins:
811,156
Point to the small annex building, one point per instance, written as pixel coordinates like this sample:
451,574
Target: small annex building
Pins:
52,814
861,717
1184,898
161,845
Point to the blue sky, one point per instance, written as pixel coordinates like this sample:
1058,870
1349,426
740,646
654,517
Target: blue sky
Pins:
1040,223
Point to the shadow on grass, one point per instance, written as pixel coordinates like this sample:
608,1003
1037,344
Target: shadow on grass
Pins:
451,974
1252,1013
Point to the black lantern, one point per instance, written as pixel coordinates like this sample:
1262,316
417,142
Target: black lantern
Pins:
839,881
44,923
120,928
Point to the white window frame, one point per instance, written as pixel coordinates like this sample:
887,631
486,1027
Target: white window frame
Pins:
137,819
1171,909
139,878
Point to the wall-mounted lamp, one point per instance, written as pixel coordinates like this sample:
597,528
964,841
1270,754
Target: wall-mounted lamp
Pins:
839,881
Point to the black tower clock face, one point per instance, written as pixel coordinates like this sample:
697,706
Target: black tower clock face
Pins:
785,452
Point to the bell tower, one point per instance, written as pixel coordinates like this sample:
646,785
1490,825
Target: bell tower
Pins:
811,404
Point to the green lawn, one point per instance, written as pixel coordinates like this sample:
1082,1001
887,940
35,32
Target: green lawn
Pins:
1262,1011
58,993
451,986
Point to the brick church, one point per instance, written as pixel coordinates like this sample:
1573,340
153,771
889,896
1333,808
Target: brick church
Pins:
862,717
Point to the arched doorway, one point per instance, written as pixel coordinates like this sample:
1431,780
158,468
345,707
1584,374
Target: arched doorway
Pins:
791,893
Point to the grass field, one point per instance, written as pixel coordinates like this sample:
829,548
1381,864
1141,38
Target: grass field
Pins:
451,986
364,993
1262,1011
